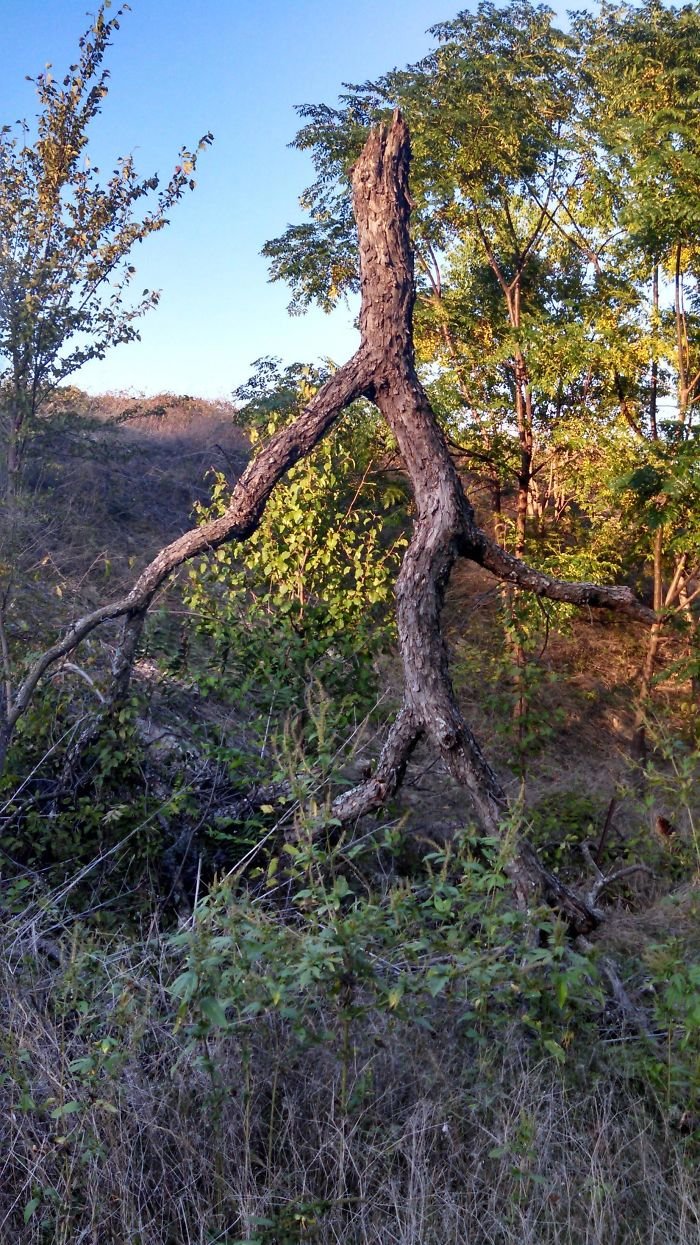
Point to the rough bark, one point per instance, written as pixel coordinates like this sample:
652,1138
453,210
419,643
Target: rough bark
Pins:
445,525
388,772
384,370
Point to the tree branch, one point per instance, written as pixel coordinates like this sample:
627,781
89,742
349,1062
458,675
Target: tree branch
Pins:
388,773
240,520
616,597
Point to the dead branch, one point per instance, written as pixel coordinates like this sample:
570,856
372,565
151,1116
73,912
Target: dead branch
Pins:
601,881
615,597
384,371
633,1014
69,667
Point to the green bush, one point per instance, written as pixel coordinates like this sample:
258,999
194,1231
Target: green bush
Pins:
308,597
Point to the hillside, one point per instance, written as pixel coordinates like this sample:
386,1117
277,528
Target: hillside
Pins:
347,1039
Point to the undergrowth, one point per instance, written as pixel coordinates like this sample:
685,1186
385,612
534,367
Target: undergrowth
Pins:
225,1021
331,1052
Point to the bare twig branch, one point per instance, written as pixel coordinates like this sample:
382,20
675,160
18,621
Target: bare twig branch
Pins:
69,667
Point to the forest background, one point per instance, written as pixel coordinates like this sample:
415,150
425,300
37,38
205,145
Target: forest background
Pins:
234,1012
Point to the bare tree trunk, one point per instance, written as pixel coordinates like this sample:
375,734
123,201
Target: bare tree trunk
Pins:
445,526
14,434
662,602
685,600
681,339
523,411
383,370
654,642
639,739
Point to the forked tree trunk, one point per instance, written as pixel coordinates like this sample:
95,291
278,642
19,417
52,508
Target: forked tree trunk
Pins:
383,370
445,526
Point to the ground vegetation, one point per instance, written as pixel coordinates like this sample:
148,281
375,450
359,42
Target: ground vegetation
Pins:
350,849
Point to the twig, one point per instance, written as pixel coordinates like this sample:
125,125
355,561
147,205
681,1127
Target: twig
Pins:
73,669
603,880
632,1012
605,831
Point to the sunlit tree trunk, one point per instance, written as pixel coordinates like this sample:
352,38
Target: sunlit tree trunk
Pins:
383,370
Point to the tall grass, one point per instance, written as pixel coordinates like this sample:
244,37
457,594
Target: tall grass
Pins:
125,1120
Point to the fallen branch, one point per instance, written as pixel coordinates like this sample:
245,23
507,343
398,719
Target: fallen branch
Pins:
634,1015
602,880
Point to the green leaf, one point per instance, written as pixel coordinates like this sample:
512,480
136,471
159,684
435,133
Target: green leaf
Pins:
555,1049
185,985
30,1208
68,1108
213,1009
395,996
436,983
107,1106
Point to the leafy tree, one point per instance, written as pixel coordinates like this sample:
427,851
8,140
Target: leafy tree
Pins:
554,177
490,114
66,239
641,70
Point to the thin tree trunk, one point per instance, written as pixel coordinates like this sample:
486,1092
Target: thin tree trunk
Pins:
523,403
662,601
499,527
13,461
5,740
16,419
693,625
523,411
654,384
639,738
681,338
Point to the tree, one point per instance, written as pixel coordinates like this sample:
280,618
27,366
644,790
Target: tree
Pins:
383,371
641,71
555,181
66,240
490,112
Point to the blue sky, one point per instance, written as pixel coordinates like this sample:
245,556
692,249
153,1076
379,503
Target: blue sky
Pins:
237,68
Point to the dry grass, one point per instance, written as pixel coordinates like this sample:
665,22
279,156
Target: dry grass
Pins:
419,1136
121,476
102,497
412,1134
